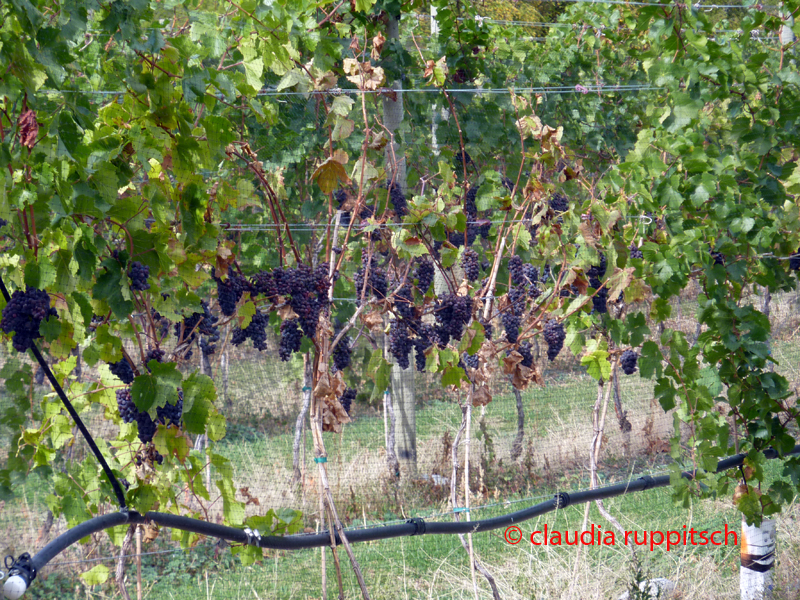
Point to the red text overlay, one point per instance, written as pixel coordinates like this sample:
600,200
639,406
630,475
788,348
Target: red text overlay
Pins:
597,536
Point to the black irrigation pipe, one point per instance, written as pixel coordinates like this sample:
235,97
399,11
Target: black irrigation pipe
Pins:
28,567
74,414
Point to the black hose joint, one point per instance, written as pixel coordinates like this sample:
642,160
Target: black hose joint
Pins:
649,482
253,537
561,500
419,525
20,574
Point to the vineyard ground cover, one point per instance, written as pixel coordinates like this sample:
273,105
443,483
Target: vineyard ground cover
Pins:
427,567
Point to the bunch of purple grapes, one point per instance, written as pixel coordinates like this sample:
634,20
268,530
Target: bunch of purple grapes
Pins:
404,302
138,275
399,343
171,414
204,323
453,313
23,314
346,399
255,331
123,370
511,324
307,291
628,362
469,262
424,276
516,270
470,360
559,203
156,354
398,198
291,338
127,409
230,291
554,336
376,284
341,352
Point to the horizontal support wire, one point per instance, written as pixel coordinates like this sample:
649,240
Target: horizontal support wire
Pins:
559,89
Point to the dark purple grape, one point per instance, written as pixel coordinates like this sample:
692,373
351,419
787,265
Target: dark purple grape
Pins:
461,157
156,354
527,356
554,336
470,208
453,313
341,353
511,324
171,414
471,360
404,302
255,331
487,329
516,270
628,362
469,262
636,252
346,399
398,198
147,427
559,203
516,299
123,370
23,314
420,345
399,343
424,276
229,292
376,285
598,271
291,338
599,299
127,409
139,274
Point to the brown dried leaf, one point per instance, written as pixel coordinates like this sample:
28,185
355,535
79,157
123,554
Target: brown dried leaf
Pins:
389,93
581,284
481,396
329,421
510,362
286,312
377,46
373,320
150,532
521,377
224,260
587,231
28,128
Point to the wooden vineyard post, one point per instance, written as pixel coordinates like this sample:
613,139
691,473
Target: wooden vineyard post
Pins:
757,560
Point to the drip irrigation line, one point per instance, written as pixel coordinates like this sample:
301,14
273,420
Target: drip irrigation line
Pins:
74,414
27,567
